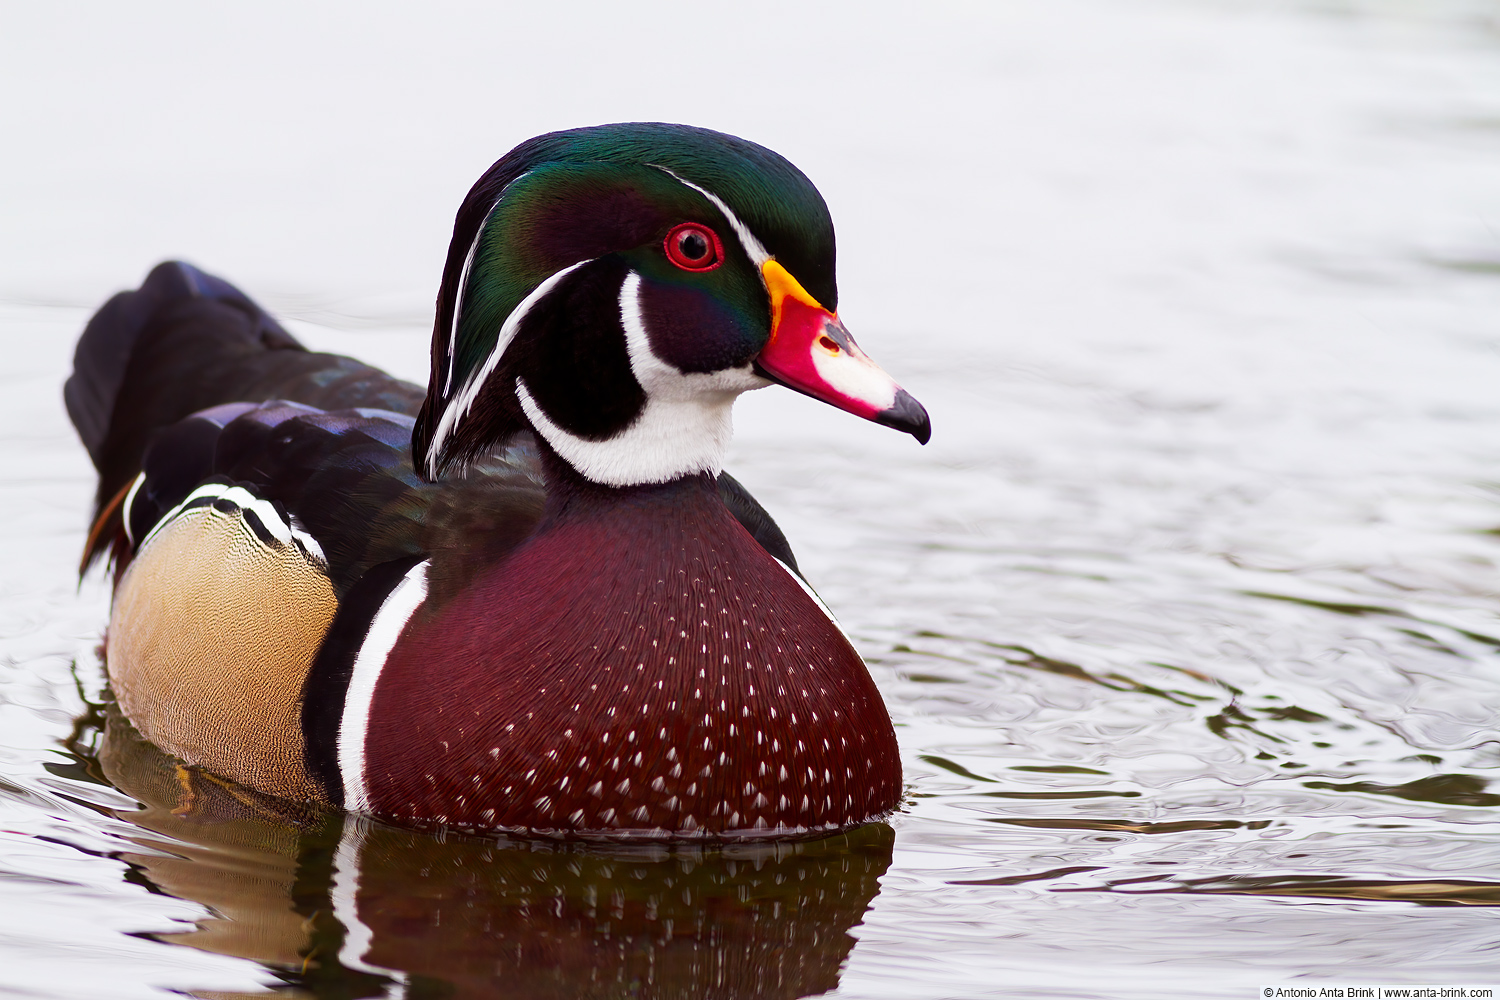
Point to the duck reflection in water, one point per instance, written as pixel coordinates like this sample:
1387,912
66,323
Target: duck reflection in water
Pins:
341,906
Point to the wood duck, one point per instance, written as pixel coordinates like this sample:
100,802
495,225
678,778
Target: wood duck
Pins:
528,599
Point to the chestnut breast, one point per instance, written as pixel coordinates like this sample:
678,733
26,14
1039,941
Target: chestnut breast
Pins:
640,664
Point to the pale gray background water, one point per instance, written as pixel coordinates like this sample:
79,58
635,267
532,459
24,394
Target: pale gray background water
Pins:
1203,297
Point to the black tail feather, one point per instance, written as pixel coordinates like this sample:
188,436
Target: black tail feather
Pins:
183,342
103,354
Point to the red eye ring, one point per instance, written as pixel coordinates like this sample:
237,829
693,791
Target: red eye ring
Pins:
694,247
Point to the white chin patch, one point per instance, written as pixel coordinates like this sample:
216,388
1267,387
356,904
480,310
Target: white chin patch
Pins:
684,428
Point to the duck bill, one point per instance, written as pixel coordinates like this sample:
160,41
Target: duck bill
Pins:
810,351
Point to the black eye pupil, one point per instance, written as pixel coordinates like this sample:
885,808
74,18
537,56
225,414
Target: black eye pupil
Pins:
693,246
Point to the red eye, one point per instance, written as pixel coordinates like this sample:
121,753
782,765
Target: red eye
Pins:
694,248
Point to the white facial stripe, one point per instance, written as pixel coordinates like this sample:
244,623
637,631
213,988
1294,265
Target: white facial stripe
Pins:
684,428
458,300
753,248
458,407
385,629
283,531
856,376
660,379
463,283
129,503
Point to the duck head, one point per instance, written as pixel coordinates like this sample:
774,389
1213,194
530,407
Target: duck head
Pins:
615,288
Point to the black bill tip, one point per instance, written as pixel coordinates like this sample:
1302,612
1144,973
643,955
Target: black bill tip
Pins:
906,414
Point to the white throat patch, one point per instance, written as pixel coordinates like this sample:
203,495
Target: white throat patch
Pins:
684,428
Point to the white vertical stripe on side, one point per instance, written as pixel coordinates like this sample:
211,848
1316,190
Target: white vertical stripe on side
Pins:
385,629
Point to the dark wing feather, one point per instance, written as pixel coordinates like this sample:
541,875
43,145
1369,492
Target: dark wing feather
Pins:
345,477
108,342
183,342
177,367
748,511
